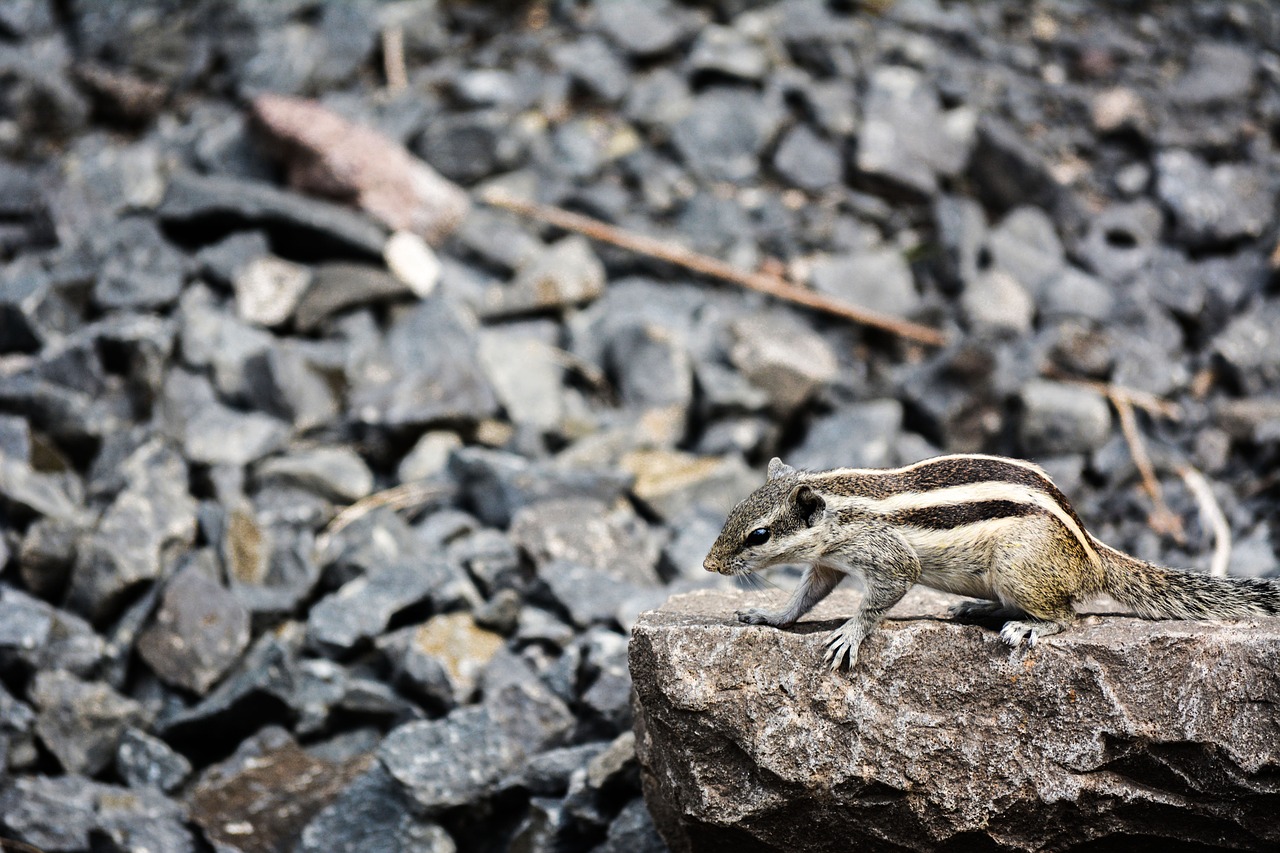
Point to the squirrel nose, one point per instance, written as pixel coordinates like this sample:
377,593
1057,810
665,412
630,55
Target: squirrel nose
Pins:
710,565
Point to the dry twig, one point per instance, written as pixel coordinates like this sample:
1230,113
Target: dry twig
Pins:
1212,517
707,265
1162,519
404,496
393,59
1149,403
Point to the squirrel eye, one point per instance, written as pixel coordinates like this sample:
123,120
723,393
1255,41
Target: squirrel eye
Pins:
759,536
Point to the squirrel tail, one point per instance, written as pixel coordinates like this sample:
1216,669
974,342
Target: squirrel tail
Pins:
1157,592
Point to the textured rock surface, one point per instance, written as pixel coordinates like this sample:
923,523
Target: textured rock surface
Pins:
1118,732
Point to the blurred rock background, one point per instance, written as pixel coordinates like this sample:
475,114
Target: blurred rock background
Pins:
212,346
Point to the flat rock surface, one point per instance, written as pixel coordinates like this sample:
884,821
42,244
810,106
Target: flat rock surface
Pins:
941,735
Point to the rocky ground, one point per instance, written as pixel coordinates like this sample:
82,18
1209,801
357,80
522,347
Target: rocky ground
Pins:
202,367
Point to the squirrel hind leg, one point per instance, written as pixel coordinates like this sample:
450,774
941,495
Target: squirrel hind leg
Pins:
983,611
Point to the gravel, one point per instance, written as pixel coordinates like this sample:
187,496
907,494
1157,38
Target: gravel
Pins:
324,479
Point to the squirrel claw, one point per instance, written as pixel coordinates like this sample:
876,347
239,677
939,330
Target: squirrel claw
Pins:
1015,633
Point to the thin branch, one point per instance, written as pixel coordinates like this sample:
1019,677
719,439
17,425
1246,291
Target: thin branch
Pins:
1149,403
404,496
705,264
393,59
1211,516
1162,519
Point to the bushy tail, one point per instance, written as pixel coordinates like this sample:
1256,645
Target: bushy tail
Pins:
1159,593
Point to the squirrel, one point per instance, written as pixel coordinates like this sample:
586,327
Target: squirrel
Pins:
986,527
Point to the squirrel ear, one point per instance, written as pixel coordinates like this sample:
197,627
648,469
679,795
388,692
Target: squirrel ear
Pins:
778,468
808,504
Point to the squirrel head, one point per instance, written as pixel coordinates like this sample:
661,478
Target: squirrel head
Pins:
774,524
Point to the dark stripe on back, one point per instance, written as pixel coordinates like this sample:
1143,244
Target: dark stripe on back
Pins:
949,516
941,473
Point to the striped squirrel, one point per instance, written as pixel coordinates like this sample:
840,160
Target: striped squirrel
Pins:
991,528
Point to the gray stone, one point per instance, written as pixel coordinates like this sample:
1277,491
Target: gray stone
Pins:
906,137
566,274
462,757
728,51
199,631
1255,419
594,66
340,286
1075,293
994,302
81,722
31,491
335,473
1122,238
589,595
671,483
1249,348
497,484
211,337
268,289
1008,172
548,774
632,831
1025,245
441,659
589,533
144,761
491,558
194,201
724,133
962,236
17,740
525,374
32,310
1058,419
45,638
659,98
295,381
1217,73
782,357
425,373
361,609
26,624
373,814
727,764
268,671
877,279
429,456
140,269
152,515
808,161
1214,204
466,147
271,568
55,813
643,28
498,240
212,433
223,261
862,435
607,695
1150,354
653,368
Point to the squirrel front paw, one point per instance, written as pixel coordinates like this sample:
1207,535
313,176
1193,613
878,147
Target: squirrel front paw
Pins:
760,616
842,647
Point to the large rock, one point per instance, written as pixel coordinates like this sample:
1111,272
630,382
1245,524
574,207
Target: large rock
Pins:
944,738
